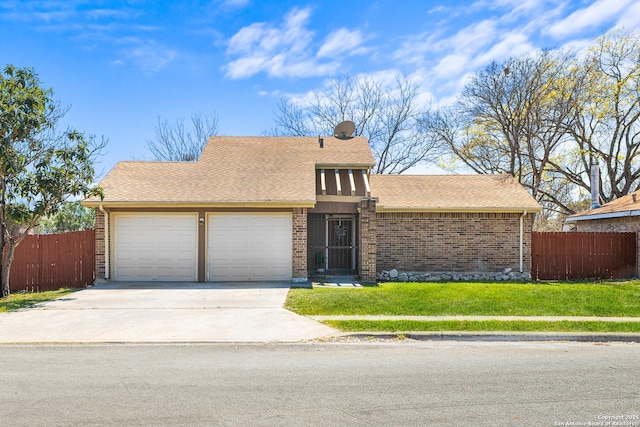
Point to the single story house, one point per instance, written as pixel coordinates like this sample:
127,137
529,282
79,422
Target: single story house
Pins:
280,208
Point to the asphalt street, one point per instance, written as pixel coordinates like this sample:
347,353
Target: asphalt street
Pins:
321,384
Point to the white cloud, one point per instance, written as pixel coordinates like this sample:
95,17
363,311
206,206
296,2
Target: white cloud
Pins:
510,44
385,78
451,65
291,36
578,46
515,8
341,42
263,47
449,53
630,19
466,41
476,36
599,12
288,50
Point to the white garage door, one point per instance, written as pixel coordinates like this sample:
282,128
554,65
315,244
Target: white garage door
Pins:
155,246
246,247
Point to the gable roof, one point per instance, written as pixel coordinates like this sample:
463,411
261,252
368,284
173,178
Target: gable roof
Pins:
628,205
451,193
234,171
287,151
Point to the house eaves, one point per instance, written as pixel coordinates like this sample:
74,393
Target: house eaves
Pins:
510,209
192,205
603,216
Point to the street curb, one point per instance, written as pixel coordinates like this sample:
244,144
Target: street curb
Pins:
500,337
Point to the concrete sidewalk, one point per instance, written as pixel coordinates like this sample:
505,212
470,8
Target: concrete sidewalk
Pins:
163,312
479,318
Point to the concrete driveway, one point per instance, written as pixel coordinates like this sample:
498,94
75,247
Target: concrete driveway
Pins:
163,312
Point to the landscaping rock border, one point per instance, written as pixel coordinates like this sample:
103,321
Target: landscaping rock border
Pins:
507,274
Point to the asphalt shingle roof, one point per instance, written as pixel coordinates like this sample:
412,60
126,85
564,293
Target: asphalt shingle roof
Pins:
619,205
280,171
473,193
235,170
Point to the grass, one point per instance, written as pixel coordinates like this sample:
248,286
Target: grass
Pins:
479,299
17,301
481,326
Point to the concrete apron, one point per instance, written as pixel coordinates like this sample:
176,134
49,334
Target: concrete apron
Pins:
163,312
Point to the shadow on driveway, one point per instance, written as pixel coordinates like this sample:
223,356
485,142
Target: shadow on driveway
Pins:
191,285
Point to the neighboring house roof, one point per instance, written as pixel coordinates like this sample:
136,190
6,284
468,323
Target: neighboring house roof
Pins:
628,205
448,193
234,171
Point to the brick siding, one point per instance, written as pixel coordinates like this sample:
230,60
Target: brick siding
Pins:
100,260
368,238
622,224
464,242
299,244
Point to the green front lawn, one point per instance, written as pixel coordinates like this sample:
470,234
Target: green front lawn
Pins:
479,299
481,326
17,301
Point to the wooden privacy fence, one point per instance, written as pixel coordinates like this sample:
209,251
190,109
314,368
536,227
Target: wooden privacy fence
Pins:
54,261
583,255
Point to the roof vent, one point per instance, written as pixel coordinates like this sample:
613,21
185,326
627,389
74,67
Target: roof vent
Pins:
633,196
321,142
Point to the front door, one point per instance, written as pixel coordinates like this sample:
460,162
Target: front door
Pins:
332,243
340,245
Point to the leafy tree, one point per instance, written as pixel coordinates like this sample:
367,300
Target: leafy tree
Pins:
71,217
545,118
390,118
605,126
40,167
177,142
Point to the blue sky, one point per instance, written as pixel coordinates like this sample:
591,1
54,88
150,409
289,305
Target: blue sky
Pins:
120,65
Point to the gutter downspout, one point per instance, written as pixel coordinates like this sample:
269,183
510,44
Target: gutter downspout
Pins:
106,242
522,239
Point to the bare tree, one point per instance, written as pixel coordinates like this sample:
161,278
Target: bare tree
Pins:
177,142
390,118
545,118
509,119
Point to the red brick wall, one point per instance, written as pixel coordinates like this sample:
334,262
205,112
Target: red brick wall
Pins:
299,243
464,242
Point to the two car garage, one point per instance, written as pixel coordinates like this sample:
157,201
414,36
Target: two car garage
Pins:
164,246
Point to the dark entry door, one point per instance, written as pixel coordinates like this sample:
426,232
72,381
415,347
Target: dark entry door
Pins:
340,245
